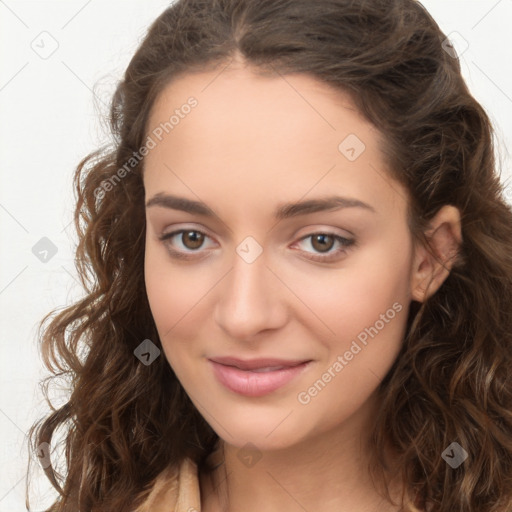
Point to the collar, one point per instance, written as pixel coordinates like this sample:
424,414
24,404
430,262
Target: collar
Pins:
176,488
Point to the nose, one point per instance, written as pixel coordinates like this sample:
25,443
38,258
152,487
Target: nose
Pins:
252,299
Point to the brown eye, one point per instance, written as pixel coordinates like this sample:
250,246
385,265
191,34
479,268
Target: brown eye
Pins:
192,239
184,243
322,245
322,242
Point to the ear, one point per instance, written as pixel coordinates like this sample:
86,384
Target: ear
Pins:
431,267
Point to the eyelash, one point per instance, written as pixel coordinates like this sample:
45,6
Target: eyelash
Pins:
345,242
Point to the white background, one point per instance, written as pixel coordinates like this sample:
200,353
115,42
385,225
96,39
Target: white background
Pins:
49,120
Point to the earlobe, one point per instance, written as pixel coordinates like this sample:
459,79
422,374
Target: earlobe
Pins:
431,267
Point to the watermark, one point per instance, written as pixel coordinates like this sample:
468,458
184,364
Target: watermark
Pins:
249,455
351,147
455,44
44,250
146,352
44,45
249,249
304,397
454,455
43,454
158,133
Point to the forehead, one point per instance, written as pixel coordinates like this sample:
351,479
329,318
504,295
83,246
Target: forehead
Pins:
267,135
243,101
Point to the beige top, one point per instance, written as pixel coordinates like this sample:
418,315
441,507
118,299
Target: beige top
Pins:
178,490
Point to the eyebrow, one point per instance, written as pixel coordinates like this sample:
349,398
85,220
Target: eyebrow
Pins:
283,211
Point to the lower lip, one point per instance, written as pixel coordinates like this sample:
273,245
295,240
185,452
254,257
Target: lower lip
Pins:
245,382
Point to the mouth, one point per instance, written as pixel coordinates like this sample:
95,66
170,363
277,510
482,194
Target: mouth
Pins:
264,364
256,377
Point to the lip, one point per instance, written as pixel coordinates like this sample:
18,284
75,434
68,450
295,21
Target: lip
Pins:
243,378
254,364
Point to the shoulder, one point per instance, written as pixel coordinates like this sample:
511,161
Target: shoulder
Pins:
175,489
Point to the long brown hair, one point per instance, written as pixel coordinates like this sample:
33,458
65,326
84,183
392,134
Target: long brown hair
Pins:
125,422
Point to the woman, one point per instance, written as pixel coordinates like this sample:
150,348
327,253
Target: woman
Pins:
297,262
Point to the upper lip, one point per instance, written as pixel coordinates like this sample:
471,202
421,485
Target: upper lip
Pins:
253,364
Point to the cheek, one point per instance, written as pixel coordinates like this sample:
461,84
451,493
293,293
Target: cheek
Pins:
179,298
353,297
171,292
366,311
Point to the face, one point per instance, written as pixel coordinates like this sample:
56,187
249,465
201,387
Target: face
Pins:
233,270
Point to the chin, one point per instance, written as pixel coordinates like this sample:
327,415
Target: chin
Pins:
259,442
266,432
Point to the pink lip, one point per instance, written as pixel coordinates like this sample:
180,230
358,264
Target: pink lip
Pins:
239,376
253,364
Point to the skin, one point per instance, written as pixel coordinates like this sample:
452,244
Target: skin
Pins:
250,144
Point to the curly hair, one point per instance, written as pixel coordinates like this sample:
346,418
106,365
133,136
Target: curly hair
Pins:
451,380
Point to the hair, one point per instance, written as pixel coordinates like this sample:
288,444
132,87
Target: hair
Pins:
125,422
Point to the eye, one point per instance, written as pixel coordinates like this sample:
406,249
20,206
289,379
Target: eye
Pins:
323,242
191,240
